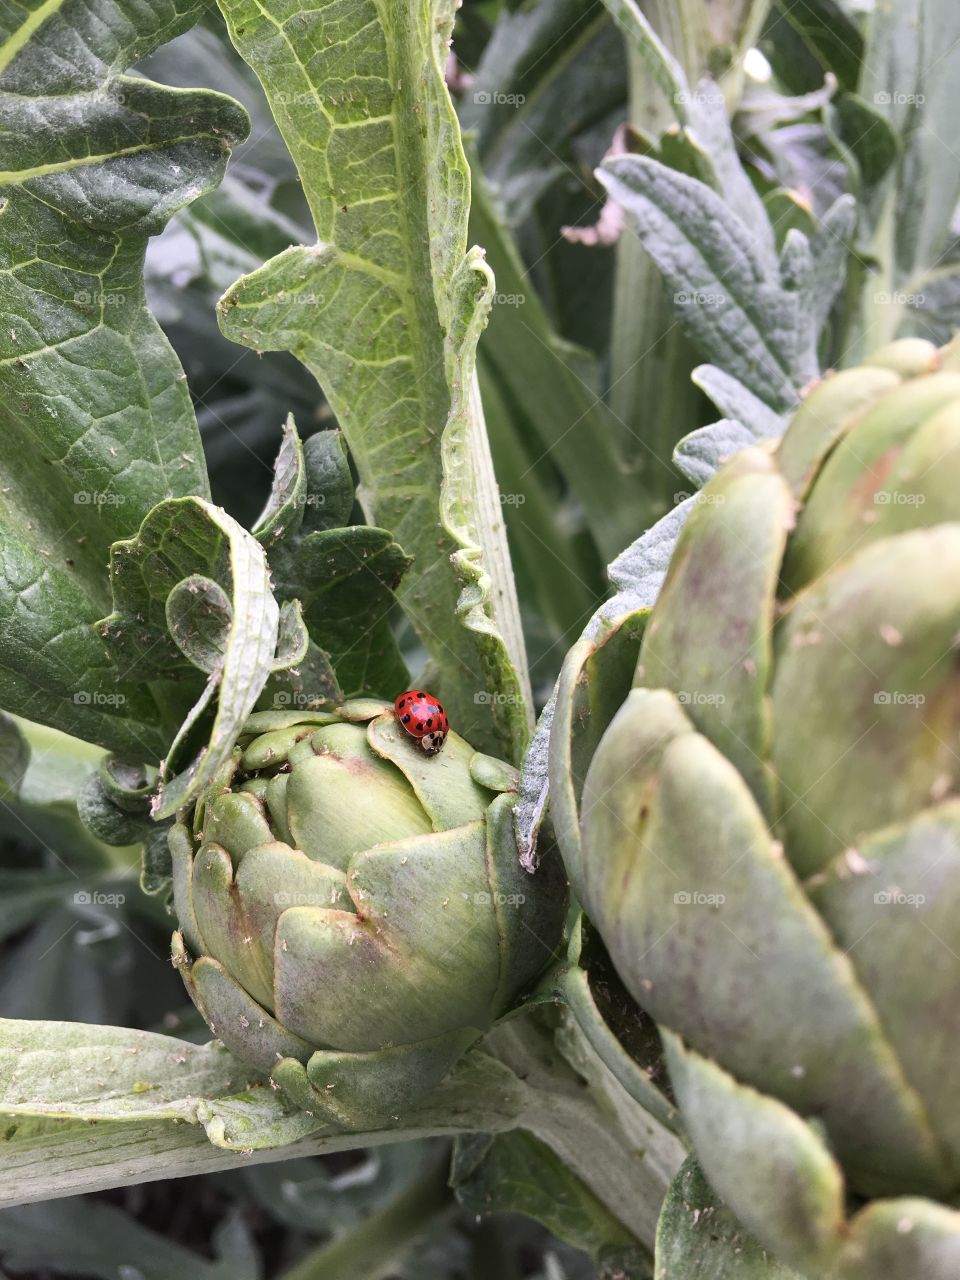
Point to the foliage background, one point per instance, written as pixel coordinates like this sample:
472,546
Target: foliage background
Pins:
585,377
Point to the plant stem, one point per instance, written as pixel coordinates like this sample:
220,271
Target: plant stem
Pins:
576,1107
374,1248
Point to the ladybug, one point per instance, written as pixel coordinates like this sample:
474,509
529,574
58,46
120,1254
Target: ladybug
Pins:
423,718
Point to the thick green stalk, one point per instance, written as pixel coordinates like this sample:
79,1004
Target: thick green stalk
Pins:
528,1078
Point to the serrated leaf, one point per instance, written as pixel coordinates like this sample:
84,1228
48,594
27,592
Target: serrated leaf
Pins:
337,582
97,416
189,550
346,579
734,308
386,308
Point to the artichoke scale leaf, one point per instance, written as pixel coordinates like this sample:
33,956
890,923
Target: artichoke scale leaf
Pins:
823,417
219,916
867,654
860,486
338,983
368,1090
893,905
595,678
342,799
767,1165
434,907
697,1235
443,783
236,1019
708,928
722,582
529,910
905,1237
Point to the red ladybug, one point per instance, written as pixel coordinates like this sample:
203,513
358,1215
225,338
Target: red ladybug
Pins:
422,716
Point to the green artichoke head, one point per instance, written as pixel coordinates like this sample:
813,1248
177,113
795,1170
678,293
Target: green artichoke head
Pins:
352,911
771,823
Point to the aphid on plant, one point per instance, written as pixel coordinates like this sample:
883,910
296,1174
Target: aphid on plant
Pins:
423,718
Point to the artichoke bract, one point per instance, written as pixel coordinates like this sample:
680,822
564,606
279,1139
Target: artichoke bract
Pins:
353,915
771,824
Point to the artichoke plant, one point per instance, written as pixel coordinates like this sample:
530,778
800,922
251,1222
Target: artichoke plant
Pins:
352,912
771,827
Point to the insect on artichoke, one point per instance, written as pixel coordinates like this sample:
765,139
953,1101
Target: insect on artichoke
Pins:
771,825
352,911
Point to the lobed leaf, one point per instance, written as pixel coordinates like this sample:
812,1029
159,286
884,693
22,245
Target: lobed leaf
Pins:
98,417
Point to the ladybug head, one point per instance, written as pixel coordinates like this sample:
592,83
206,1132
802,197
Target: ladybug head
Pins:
432,742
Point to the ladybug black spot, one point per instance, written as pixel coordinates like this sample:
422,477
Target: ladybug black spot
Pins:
439,708
406,719
430,722
420,725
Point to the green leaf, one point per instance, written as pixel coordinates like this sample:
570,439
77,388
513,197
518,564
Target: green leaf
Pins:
828,31
43,1158
515,1173
698,1238
740,313
192,590
70,1070
343,576
98,417
385,310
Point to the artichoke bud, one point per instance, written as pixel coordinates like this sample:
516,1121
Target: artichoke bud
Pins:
352,911
771,821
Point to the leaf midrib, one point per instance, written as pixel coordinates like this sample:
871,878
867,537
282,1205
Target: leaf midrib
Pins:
19,38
